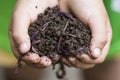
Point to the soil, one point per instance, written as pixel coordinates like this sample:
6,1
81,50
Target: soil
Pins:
59,35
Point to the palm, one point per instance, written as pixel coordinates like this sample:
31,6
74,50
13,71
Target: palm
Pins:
24,14
93,14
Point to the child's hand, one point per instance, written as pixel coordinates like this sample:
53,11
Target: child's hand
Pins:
24,14
93,14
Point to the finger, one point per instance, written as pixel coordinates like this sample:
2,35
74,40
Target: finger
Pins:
53,3
66,62
19,30
98,25
63,6
81,65
31,58
45,61
14,49
73,62
99,36
78,56
76,62
95,18
85,58
109,38
35,65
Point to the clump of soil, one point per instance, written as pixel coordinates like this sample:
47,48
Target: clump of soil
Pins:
57,34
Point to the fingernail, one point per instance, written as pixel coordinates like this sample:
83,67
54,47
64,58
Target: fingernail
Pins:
23,47
97,52
45,62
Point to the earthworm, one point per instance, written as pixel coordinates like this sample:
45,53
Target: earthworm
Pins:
61,72
42,28
60,38
35,42
33,49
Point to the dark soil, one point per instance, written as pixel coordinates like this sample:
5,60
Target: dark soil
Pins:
57,34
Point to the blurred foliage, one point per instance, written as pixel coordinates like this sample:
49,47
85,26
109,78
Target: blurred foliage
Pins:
6,8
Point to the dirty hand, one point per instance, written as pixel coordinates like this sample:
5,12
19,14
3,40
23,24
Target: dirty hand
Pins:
93,14
24,14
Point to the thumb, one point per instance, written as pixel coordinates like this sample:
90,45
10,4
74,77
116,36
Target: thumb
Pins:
99,36
19,26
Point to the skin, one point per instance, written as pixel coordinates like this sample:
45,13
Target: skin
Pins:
91,13
24,14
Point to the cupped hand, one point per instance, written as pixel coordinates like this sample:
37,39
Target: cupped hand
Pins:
25,13
91,13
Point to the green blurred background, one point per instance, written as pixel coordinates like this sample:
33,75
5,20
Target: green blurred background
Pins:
6,57
6,8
